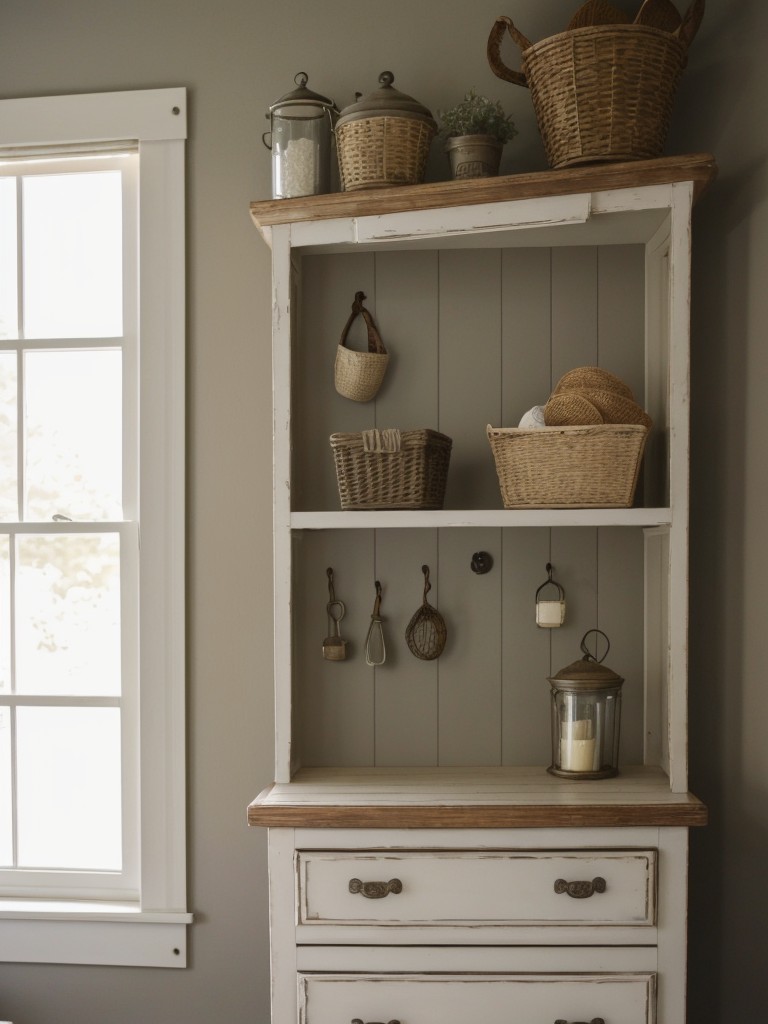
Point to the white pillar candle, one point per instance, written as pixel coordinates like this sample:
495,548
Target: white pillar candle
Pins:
577,755
577,746
550,614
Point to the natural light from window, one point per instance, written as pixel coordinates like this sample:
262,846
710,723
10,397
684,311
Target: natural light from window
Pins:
61,464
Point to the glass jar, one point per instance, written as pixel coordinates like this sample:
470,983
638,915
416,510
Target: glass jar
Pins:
586,718
300,140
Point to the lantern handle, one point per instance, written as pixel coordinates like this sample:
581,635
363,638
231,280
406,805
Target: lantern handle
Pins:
550,582
592,657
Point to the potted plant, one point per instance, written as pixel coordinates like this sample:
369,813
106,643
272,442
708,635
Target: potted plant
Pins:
475,131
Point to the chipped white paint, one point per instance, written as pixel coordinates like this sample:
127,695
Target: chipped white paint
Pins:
417,956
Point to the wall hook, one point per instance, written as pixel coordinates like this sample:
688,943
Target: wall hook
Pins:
481,563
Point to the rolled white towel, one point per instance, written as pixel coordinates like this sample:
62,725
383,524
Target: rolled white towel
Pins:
533,419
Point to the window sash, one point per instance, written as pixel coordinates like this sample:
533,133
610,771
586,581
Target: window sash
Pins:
93,931
83,884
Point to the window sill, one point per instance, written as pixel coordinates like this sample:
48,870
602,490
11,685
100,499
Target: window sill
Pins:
79,932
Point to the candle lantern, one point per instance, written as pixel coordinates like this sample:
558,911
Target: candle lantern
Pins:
586,717
301,126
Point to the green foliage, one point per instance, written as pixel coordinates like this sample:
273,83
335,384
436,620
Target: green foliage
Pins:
477,115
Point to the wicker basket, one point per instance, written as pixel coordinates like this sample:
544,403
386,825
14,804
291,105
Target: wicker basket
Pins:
568,467
602,92
376,152
391,469
358,375
383,139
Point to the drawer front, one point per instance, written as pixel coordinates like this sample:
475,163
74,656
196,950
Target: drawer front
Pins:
490,998
615,887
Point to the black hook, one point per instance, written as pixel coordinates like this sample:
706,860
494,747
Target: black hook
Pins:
481,563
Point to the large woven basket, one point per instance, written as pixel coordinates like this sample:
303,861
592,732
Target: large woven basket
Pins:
602,92
568,467
391,469
376,152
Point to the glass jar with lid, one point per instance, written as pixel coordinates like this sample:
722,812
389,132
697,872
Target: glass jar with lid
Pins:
301,128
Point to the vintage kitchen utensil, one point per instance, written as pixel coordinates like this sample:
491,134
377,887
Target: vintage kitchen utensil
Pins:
334,648
550,612
426,633
375,648
659,14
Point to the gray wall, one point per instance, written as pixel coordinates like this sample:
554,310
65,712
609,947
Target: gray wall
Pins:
236,57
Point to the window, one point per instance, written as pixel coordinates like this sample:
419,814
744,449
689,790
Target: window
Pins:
92,817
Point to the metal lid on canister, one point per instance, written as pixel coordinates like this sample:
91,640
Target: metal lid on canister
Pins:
386,101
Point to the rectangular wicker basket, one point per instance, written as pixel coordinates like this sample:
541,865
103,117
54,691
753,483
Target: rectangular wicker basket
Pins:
391,469
568,467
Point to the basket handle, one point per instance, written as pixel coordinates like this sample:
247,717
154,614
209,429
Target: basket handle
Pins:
498,66
375,344
689,26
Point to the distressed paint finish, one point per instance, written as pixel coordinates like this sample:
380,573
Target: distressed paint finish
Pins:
477,887
620,998
433,773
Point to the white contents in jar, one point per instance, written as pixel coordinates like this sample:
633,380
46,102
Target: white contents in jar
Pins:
297,168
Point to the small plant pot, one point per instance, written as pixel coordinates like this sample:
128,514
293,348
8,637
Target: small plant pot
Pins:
474,156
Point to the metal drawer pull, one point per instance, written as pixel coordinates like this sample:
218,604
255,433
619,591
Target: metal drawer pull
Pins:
580,890
595,1020
375,890
358,1021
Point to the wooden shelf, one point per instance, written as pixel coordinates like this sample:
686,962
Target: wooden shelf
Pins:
472,798
700,168
638,517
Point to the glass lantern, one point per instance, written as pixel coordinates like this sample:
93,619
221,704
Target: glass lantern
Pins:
586,718
301,126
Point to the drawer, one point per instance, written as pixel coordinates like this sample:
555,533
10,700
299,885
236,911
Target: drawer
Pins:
423,888
490,998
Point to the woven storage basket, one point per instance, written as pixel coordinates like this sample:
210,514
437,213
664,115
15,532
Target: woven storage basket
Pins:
391,469
376,152
602,92
358,375
568,467
383,139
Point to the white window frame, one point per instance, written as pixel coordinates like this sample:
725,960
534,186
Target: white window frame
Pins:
151,931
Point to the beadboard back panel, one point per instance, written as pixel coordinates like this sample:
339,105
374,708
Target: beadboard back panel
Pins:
475,337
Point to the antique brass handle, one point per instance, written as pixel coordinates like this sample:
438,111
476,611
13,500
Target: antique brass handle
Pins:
375,890
595,1020
358,1021
580,890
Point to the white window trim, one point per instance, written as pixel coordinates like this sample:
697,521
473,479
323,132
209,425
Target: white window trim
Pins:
153,932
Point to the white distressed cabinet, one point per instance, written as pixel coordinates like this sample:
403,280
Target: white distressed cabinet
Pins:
424,866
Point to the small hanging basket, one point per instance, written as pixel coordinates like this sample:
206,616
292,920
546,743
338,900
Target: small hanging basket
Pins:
426,633
358,375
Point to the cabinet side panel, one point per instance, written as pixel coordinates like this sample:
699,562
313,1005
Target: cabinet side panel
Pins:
329,285
335,698
405,687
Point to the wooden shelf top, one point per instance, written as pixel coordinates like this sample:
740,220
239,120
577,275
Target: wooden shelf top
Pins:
700,168
472,798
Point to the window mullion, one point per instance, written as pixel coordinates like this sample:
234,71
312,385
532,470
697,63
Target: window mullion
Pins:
12,710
